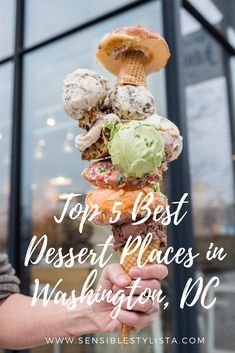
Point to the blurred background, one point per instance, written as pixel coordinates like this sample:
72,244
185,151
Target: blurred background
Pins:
43,40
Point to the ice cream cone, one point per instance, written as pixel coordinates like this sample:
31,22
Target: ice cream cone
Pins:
99,149
88,120
129,262
132,70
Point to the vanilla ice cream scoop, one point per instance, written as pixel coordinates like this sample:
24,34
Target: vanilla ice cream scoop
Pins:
131,102
172,140
83,91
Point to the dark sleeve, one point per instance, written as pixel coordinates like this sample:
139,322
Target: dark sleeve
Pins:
9,283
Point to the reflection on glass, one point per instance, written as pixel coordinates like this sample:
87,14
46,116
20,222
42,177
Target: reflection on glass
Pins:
7,32
226,298
51,165
5,148
209,135
39,23
219,13
212,171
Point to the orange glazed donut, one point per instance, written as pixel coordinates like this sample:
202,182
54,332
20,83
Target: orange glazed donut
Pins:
105,199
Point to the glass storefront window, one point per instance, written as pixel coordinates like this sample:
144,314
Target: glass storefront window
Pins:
208,114
5,148
48,18
220,14
212,171
51,165
7,32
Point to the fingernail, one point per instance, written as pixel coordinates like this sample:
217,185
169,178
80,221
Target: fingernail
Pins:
122,279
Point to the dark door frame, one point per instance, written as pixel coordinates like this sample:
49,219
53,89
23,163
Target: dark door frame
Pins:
184,321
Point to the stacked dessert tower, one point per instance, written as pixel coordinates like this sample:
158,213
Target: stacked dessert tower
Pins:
123,131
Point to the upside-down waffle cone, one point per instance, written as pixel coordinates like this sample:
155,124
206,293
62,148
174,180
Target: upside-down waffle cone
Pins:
88,120
129,262
97,150
132,71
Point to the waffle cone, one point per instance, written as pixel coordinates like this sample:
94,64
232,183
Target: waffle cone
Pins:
97,150
88,120
132,71
129,262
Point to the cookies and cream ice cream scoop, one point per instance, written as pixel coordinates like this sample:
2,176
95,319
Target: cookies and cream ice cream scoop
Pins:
84,90
131,102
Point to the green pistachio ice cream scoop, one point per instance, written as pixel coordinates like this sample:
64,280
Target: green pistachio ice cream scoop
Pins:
135,148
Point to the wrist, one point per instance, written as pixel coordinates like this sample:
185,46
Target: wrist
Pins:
81,320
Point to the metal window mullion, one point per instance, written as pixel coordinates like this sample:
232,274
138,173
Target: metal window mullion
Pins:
14,211
85,25
231,104
16,140
184,321
215,33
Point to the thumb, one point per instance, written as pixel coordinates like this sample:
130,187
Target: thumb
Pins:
116,274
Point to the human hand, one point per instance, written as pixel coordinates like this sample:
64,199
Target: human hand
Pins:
27,326
115,278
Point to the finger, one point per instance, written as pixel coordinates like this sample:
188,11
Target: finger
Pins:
152,284
153,271
136,320
145,320
148,306
154,309
116,275
129,318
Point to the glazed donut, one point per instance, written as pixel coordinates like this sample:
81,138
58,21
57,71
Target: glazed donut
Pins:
105,199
